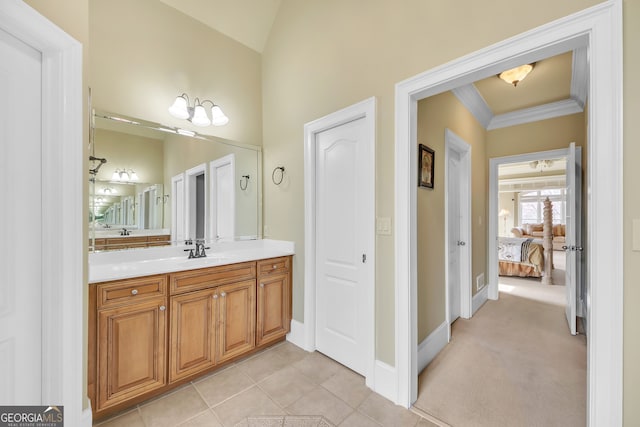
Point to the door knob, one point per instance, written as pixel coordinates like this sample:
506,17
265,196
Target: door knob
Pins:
461,243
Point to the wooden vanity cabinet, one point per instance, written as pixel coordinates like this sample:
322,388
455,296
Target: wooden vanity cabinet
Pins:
130,339
212,317
193,333
150,334
273,299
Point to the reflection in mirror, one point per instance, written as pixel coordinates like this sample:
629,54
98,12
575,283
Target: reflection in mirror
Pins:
141,196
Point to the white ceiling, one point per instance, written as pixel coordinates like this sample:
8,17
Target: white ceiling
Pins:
246,21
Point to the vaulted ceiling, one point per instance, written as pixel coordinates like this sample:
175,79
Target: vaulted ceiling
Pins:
557,86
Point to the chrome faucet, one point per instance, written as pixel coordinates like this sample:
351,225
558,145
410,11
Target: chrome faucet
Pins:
125,232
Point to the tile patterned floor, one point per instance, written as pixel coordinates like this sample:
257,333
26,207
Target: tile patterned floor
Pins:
279,381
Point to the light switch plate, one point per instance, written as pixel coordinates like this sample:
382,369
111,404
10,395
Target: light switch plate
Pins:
636,235
383,226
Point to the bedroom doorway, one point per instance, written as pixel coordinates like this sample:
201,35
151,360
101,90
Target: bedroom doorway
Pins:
519,186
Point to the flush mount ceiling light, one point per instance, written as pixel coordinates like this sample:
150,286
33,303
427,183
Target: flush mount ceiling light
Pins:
541,164
516,75
197,114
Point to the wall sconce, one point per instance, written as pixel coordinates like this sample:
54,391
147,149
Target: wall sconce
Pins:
197,114
516,75
124,175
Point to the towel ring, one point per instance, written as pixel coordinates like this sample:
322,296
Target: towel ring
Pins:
274,175
246,182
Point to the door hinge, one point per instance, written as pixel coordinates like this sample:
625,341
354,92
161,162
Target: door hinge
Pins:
364,258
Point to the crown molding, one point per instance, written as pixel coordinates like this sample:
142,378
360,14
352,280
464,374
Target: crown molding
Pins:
580,76
469,96
534,114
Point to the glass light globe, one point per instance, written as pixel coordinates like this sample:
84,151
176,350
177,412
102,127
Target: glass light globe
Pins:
200,117
179,108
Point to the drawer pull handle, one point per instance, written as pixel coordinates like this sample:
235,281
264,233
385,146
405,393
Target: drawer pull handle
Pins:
223,294
134,292
215,296
262,285
163,308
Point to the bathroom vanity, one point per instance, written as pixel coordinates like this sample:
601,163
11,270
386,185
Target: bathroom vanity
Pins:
158,319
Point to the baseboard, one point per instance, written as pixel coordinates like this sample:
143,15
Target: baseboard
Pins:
479,299
87,417
385,381
429,348
297,335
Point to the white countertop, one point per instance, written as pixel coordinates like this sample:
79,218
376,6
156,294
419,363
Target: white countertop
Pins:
114,265
115,232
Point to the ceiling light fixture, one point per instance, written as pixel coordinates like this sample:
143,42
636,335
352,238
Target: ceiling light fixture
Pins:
197,114
516,75
123,175
541,164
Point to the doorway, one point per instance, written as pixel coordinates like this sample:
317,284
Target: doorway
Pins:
339,239
458,225
598,28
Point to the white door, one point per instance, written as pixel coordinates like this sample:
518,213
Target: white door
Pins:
223,197
341,239
454,242
573,240
177,208
21,216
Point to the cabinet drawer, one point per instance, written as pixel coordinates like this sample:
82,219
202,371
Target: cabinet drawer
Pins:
162,238
131,290
274,266
192,280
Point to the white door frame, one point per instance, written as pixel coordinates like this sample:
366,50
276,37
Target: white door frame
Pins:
453,142
599,28
229,159
63,176
177,205
493,220
190,200
367,110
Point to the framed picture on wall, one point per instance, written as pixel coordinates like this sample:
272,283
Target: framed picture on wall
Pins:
426,160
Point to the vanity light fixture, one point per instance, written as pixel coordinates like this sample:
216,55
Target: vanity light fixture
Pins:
516,75
124,175
197,114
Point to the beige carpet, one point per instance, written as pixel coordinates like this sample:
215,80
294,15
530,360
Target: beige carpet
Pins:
532,288
513,364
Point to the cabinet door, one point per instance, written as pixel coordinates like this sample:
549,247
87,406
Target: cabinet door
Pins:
131,351
193,338
237,319
274,318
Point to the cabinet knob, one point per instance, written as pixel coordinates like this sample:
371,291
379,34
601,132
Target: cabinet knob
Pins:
262,285
274,266
134,292
163,308
215,296
223,294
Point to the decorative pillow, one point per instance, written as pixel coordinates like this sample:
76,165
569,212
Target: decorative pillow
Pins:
517,232
528,228
537,227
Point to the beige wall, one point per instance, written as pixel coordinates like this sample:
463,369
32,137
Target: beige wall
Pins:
144,155
631,261
435,114
366,51
145,53
182,153
325,55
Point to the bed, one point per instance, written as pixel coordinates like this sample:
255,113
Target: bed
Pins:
520,257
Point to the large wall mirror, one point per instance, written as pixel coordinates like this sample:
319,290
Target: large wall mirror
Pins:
152,184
